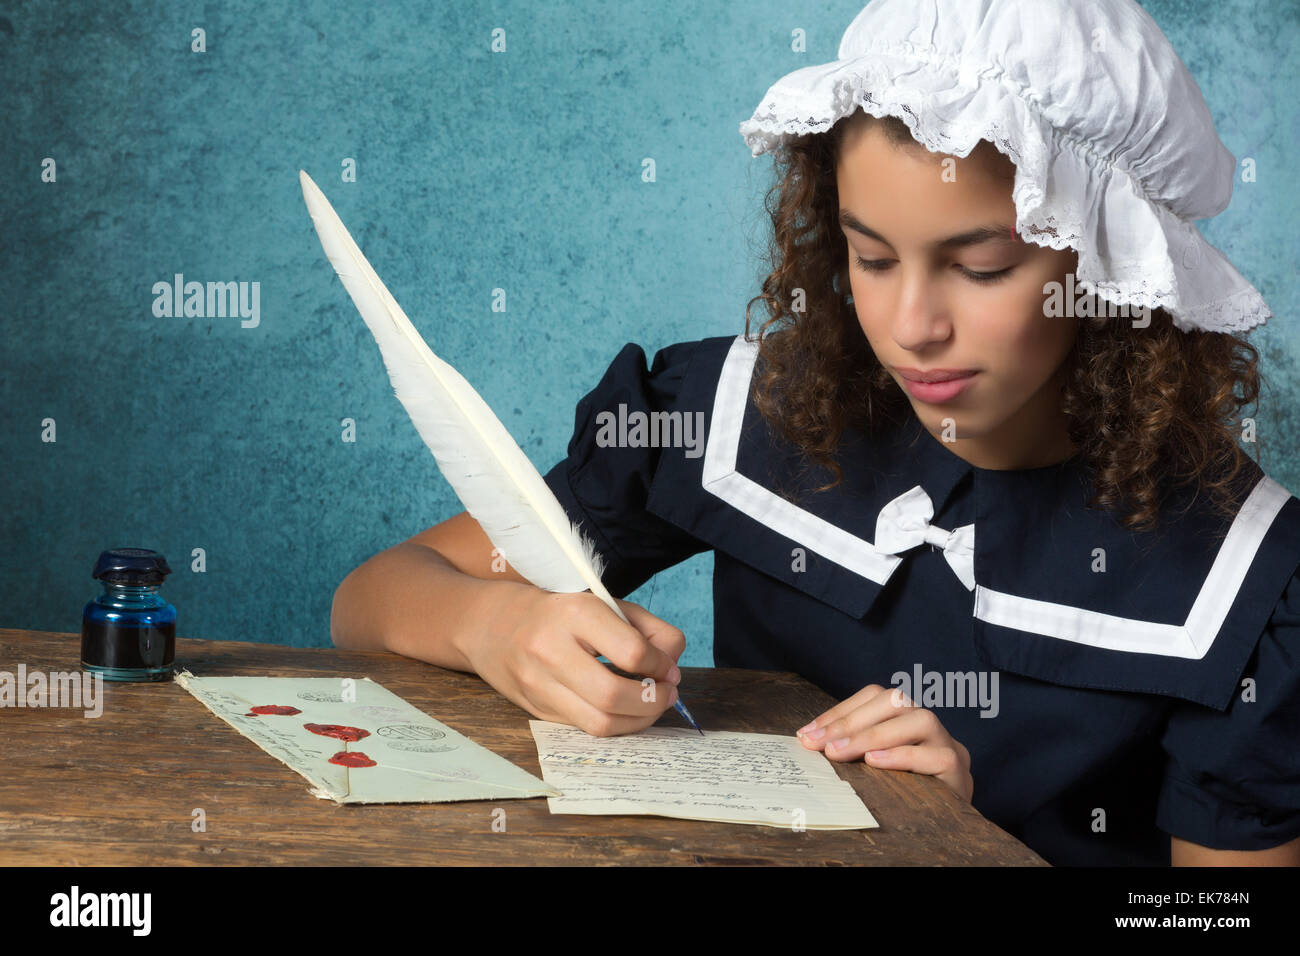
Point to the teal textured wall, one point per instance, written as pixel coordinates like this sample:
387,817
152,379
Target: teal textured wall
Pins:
475,170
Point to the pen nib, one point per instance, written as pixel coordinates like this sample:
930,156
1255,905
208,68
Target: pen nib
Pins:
681,709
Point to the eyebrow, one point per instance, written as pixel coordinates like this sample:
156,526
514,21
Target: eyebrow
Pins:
992,232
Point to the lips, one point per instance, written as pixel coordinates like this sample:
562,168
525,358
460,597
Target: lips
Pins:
935,375
947,384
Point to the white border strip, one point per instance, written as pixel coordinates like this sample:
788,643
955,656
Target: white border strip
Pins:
1192,639
763,505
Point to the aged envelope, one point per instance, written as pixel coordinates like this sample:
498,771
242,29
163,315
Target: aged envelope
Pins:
360,743
728,777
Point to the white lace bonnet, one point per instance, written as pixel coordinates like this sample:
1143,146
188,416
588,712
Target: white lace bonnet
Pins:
1114,146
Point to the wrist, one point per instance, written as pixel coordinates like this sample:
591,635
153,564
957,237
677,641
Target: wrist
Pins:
496,606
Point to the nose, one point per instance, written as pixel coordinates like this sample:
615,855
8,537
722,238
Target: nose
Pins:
922,316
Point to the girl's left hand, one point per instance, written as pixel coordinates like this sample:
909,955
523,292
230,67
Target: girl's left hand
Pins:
887,730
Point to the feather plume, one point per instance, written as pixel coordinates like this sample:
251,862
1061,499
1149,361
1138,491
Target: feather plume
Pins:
489,472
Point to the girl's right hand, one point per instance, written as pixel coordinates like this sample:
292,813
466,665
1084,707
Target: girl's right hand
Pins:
544,658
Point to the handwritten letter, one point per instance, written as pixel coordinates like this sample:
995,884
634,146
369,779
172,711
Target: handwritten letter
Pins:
762,779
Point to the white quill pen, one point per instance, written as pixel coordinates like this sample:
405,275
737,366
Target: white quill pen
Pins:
489,472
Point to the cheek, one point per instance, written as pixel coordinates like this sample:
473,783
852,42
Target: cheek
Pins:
1014,332
873,316
876,330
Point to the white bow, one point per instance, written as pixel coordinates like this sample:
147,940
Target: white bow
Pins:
905,522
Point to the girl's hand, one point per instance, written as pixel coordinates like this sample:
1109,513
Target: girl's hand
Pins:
542,654
887,730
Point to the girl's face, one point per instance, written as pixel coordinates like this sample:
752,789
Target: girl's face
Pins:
948,287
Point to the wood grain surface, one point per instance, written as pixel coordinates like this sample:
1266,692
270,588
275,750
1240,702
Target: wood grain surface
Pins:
120,789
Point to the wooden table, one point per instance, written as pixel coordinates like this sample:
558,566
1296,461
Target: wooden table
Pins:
120,789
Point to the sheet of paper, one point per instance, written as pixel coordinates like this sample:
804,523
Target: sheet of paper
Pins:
728,777
358,742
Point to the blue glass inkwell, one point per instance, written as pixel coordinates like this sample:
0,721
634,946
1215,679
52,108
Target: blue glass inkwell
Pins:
128,633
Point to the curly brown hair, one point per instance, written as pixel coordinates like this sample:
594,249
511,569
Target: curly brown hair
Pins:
1149,409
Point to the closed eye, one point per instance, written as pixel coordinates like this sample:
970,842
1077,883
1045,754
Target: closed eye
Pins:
882,265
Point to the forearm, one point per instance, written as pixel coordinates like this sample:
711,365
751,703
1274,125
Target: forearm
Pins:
412,601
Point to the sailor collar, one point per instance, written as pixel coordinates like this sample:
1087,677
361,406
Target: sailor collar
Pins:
1057,591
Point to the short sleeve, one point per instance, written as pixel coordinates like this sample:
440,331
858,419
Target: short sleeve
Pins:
604,482
1232,780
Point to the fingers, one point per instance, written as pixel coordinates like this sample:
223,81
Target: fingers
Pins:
657,631
604,690
594,629
887,729
625,644
573,709
868,706
918,758
845,706
950,763
896,729
559,670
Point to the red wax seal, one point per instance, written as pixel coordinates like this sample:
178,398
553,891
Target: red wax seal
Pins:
353,759
280,709
350,734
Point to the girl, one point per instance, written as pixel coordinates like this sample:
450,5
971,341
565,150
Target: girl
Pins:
1100,648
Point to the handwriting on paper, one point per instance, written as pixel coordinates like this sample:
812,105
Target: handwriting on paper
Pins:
728,777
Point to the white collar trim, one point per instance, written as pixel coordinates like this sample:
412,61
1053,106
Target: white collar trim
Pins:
1192,639
721,478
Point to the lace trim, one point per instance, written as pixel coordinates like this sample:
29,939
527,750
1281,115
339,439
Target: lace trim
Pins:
1054,221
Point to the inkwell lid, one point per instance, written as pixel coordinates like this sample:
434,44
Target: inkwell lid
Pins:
131,566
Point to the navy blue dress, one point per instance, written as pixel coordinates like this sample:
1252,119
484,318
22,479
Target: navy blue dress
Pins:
1113,687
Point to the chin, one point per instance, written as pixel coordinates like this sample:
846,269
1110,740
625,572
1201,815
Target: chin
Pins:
933,419
933,415
965,423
